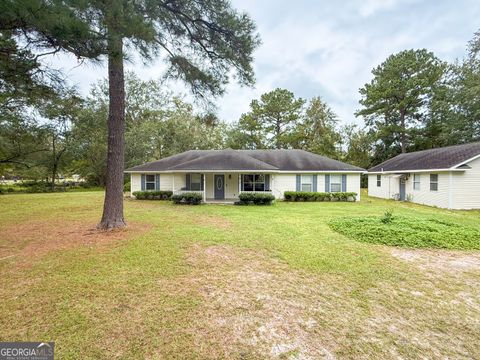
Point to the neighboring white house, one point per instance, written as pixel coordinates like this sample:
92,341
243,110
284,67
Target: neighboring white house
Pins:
446,177
221,175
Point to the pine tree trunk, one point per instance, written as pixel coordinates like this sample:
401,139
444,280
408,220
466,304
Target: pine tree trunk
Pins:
113,206
403,135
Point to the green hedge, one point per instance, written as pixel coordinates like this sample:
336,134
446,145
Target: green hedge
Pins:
188,198
126,186
256,198
319,196
153,195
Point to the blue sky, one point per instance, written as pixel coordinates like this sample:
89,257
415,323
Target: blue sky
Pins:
328,48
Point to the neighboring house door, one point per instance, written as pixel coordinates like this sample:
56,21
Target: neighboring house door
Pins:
219,187
402,188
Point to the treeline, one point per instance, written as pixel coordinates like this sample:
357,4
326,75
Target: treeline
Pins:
414,101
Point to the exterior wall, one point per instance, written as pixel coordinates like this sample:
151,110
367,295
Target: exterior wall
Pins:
456,190
279,183
390,186
288,182
426,196
466,187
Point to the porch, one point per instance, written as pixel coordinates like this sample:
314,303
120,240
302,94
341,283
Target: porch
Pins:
221,188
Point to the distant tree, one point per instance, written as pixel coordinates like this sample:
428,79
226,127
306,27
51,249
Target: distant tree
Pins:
272,119
202,41
398,98
358,146
317,130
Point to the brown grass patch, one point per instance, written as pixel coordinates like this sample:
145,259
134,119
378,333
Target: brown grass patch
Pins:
26,242
257,307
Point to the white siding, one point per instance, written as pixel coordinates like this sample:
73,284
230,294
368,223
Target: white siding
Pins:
288,182
135,183
390,186
466,187
426,196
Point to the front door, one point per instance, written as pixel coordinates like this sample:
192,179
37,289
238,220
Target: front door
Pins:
402,188
219,187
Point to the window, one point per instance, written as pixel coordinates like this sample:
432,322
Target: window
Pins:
335,183
195,182
379,180
433,182
307,183
416,181
253,182
149,182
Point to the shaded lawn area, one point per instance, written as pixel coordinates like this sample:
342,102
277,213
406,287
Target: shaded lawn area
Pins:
219,281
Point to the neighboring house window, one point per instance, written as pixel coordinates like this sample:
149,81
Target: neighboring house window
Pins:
379,180
416,181
335,183
307,183
434,182
252,182
150,182
196,182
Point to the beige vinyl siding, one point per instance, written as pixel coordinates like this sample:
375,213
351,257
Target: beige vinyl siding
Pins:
353,184
466,187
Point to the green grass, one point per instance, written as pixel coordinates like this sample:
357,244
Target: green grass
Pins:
202,282
409,232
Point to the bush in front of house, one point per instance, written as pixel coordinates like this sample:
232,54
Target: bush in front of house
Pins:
256,199
319,196
188,198
153,195
126,186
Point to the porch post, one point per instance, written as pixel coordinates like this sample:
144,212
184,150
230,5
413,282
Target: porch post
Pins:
204,188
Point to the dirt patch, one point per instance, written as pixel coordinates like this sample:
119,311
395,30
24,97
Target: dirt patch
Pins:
217,222
440,260
255,306
31,240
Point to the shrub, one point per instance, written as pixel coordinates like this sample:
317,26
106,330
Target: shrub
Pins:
126,186
188,198
256,198
153,195
319,196
387,217
406,231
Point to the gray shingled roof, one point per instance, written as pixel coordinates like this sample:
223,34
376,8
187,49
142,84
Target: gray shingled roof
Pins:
441,158
235,160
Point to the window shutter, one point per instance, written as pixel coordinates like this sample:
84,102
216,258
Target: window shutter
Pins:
327,182
344,183
201,181
299,179
314,185
241,182
143,182
267,182
157,182
187,181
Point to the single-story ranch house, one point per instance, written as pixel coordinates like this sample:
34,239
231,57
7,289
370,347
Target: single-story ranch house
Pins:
221,175
446,177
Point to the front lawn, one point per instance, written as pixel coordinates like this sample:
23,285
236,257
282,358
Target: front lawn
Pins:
216,282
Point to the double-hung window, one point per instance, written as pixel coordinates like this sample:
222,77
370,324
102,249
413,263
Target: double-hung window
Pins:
416,181
149,182
433,182
335,183
195,182
253,182
379,180
307,183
